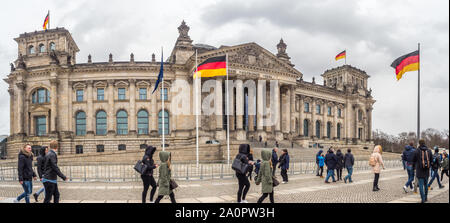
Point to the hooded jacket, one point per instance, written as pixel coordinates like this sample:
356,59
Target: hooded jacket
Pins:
274,158
321,161
420,171
244,151
317,156
164,174
284,161
331,160
408,154
378,159
444,163
340,160
265,173
148,160
25,166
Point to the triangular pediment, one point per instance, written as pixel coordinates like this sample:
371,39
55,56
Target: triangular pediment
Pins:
251,55
39,109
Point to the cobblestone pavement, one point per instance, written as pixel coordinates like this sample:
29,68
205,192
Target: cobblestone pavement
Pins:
304,188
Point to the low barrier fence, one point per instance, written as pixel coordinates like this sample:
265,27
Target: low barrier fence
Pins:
122,172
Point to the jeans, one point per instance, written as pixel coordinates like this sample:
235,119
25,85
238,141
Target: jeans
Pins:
349,176
410,171
51,190
435,174
423,188
330,174
40,191
27,188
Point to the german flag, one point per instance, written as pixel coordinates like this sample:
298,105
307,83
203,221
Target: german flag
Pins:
215,66
341,55
405,63
46,20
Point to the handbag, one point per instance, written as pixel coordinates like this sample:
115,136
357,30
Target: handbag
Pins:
275,181
239,166
140,167
172,184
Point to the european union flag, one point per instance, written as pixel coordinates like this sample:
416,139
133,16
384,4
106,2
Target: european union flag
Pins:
161,75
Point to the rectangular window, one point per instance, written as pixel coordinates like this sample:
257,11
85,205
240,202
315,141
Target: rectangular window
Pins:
164,95
339,112
122,147
329,110
306,107
41,125
121,93
41,96
100,148
318,109
142,93
100,94
79,149
80,95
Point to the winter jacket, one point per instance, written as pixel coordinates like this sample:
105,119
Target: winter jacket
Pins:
51,169
378,159
25,167
164,174
349,160
436,161
321,161
317,156
257,166
284,161
331,160
274,158
340,160
444,164
250,168
408,154
40,165
420,171
148,160
265,173
244,151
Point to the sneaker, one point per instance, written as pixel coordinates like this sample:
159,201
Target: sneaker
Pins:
441,186
375,189
334,181
327,182
244,201
35,197
283,182
405,189
345,180
15,200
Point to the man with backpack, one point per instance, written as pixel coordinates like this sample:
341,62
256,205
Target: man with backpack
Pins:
407,156
422,159
435,165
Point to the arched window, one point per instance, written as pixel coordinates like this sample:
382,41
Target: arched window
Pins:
166,122
328,129
122,122
52,46
305,127
41,48
142,122
100,123
31,49
338,130
318,129
40,96
80,123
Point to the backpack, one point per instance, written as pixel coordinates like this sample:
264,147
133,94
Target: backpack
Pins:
436,161
372,161
424,161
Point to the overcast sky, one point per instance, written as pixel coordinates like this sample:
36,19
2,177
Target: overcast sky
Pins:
373,32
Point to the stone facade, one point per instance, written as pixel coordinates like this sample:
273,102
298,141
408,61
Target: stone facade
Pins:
54,97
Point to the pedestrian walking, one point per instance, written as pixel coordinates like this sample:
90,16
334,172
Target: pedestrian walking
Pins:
319,154
51,172
407,156
147,176
284,165
331,162
250,168
340,164
274,159
25,172
376,161
165,176
40,168
422,159
349,161
265,177
257,166
435,165
244,184
444,165
321,164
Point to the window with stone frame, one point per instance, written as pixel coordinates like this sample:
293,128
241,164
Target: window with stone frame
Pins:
339,112
122,94
329,110
328,130
31,50
318,129
40,96
122,122
142,93
80,93
306,106
100,148
41,48
41,125
80,120
318,109
52,46
100,123
142,117
338,131
79,149
122,147
100,94
306,127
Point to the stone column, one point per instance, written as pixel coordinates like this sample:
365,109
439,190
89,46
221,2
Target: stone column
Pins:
260,107
20,96
286,113
154,115
111,108
278,133
12,115
335,122
301,111
324,119
269,112
369,124
240,133
133,120
90,108
312,133
293,111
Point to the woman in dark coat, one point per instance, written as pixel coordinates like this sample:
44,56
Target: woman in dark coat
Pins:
147,176
244,184
340,164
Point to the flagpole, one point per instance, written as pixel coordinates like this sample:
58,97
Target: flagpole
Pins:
418,97
345,56
48,19
196,104
162,103
228,113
